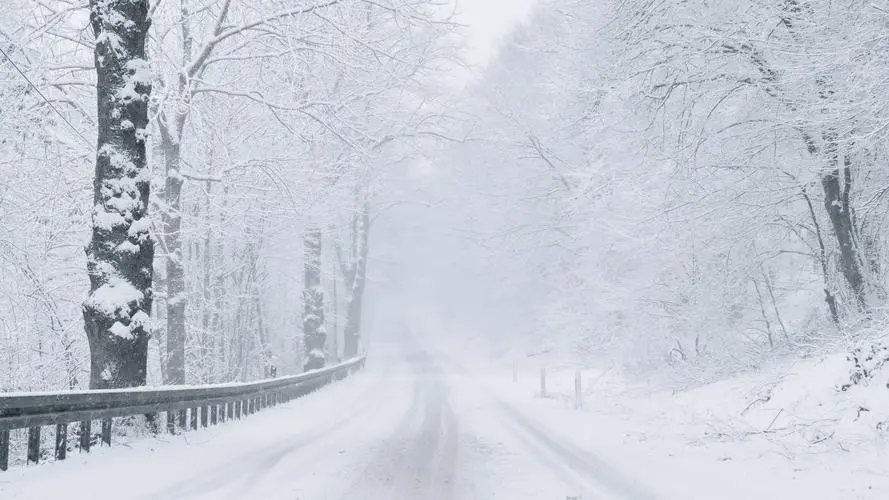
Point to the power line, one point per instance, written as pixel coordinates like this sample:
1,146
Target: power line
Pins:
19,70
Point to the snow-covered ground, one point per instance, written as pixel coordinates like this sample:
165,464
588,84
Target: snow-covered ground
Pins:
420,425
779,434
408,427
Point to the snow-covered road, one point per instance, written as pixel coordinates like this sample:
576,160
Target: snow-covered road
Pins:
409,427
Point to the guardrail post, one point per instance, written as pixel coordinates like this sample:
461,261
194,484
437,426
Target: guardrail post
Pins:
238,405
106,431
61,441
543,382
33,444
214,412
204,411
85,437
152,422
578,390
229,411
193,413
4,450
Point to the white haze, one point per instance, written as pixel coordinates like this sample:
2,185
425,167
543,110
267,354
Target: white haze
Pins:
672,212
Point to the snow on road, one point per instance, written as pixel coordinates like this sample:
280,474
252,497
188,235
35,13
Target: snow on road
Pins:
407,427
416,425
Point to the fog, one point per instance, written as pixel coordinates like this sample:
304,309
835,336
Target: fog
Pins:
447,250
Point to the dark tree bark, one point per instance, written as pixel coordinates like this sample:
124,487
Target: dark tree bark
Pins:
120,253
836,202
829,297
314,335
836,181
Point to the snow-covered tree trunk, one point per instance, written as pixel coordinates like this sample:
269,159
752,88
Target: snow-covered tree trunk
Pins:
334,316
839,209
175,270
314,335
358,274
172,127
121,251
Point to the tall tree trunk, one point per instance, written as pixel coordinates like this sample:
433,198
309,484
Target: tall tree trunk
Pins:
352,332
175,269
839,209
171,130
314,336
334,316
206,289
829,297
120,253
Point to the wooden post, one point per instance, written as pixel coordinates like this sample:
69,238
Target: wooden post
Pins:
194,418
106,431
85,435
204,415
33,444
4,450
543,382
61,441
214,414
578,390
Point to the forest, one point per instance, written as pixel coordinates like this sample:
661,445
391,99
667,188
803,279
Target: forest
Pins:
452,249
691,189
696,189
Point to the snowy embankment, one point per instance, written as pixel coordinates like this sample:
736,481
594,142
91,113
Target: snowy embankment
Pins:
783,433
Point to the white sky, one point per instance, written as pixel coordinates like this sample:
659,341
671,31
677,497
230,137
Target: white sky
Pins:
489,21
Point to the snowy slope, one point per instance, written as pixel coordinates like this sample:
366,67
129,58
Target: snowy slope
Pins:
779,434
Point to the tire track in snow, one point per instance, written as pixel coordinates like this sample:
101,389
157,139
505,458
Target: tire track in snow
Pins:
578,468
419,460
592,475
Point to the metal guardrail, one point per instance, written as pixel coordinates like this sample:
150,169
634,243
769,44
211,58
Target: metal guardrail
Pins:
184,407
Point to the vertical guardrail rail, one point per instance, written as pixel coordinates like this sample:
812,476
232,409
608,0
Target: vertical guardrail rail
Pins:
185,408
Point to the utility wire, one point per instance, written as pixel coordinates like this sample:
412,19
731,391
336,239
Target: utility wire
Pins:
17,68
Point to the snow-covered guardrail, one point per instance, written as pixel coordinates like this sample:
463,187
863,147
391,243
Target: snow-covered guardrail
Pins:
185,406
